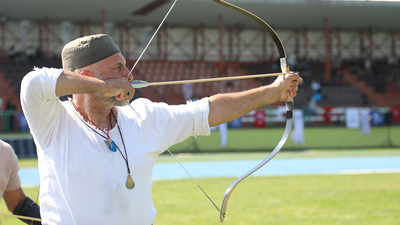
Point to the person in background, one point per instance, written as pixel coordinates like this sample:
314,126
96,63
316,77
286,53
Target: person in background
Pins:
10,186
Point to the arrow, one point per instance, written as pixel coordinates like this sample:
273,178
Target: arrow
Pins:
142,84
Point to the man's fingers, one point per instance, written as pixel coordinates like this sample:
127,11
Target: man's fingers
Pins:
125,95
299,79
294,76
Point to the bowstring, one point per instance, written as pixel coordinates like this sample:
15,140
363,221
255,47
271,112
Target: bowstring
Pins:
151,39
173,156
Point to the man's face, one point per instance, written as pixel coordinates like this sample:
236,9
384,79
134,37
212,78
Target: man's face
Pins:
113,67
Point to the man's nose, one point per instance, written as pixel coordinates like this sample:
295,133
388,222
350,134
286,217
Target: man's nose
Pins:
129,75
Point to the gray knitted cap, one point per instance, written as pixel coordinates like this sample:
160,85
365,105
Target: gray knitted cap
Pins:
87,50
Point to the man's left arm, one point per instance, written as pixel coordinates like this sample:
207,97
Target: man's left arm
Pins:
230,106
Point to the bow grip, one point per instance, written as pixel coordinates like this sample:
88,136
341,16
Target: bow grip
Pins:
285,69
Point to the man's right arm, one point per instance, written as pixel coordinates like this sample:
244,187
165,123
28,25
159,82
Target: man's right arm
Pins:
40,103
41,88
72,83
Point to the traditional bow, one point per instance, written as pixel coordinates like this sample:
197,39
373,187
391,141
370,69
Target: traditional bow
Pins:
289,103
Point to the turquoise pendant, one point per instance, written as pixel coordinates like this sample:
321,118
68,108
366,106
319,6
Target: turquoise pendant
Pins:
111,145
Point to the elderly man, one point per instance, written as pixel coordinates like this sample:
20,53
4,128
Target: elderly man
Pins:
96,157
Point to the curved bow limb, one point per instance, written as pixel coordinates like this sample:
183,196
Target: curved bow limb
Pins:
289,102
228,192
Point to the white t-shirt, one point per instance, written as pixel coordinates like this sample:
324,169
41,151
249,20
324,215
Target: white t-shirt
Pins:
82,181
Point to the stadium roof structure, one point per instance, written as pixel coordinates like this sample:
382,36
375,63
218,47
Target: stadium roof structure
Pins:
282,14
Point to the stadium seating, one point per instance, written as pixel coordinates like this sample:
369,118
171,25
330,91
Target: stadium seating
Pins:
349,87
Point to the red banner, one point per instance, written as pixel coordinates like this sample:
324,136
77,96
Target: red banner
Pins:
327,114
395,113
259,119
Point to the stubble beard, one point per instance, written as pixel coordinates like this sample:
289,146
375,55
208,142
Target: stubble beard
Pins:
111,100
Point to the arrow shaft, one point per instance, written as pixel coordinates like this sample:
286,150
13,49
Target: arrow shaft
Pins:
214,79
21,217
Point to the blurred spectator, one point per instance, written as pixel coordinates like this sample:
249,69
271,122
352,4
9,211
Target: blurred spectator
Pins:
187,91
313,107
315,86
365,122
297,134
367,60
223,134
352,116
315,97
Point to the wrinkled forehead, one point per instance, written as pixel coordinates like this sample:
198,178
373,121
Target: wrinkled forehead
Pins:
112,62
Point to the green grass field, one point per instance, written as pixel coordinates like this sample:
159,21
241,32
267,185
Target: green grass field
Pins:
336,199
330,199
308,199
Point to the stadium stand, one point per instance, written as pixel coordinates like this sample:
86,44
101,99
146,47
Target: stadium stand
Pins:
187,50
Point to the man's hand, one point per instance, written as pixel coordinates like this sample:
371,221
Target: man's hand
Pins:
120,88
287,83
